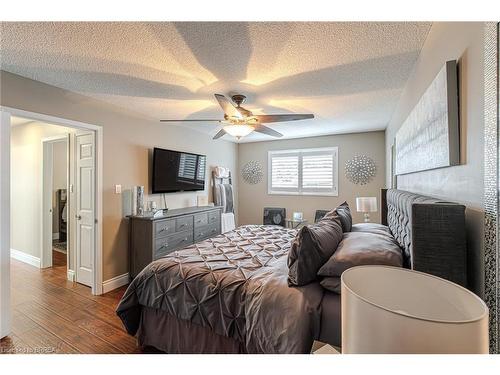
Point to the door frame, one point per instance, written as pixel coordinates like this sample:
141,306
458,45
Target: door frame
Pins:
47,184
5,313
7,112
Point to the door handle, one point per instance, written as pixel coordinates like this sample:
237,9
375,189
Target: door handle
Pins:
78,217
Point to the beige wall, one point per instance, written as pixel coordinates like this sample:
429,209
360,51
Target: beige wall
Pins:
26,184
59,177
253,198
464,183
128,137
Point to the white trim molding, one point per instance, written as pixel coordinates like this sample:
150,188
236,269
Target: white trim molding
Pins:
25,258
115,282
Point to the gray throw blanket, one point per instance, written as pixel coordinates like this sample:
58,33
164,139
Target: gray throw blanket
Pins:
236,285
224,197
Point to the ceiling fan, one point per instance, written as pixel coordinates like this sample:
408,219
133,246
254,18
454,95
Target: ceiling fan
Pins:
239,121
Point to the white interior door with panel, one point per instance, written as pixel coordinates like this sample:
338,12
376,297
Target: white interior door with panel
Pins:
47,164
85,206
48,195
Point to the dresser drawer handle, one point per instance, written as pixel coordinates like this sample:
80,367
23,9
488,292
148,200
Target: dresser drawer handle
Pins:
198,221
164,229
182,225
164,245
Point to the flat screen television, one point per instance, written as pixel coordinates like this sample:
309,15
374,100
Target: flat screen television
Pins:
175,171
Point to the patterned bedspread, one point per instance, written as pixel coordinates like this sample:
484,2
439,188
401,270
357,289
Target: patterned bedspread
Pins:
234,284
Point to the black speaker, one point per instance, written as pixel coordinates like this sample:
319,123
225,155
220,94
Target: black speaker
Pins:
275,216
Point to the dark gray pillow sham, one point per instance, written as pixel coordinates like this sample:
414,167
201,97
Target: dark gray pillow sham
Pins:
331,283
311,248
360,248
344,213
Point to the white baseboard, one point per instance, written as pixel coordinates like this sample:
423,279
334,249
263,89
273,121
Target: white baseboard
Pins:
115,282
71,275
25,258
55,236
59,250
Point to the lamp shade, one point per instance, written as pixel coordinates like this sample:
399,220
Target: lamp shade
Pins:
366,204
394,310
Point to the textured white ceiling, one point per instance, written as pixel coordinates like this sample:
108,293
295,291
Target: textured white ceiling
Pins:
350,75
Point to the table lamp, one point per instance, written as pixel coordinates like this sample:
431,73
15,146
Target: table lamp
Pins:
366,205
393,310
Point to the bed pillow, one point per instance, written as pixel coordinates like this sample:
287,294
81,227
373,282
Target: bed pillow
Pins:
312,247
344,213
360,248
371,228
332,284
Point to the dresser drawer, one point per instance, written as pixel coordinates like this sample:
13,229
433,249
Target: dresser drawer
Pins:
206,232
164,227
200,220
184,223
166,245
214,217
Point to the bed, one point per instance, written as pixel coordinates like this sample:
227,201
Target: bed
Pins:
229,294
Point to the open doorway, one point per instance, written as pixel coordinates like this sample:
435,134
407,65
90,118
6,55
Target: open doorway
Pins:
53,198
56,195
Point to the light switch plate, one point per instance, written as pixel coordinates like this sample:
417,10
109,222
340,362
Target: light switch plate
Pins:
118,189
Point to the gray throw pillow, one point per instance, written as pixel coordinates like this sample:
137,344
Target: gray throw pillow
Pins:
360,248
344,213
311,248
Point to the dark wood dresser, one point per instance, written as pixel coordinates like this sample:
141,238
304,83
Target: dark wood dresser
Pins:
152,238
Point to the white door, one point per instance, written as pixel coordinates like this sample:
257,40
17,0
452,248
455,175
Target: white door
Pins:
85,206
47,162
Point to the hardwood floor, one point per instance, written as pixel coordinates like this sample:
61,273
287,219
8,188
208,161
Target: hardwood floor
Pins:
58,259
53,315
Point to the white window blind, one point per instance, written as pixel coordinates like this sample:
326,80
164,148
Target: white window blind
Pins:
285,172
303,172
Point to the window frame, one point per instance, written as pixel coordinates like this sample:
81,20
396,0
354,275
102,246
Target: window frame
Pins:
300,189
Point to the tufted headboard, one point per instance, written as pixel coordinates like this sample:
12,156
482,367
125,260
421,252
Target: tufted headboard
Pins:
430,231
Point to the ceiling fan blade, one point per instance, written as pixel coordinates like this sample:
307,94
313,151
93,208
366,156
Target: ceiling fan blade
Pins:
219,134
190,120
265,119
228,107
265,130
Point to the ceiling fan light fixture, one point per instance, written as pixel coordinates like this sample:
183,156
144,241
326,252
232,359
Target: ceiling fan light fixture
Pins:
238,131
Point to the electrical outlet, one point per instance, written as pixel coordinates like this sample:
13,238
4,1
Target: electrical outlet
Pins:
118,189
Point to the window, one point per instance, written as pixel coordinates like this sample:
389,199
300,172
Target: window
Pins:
191,165
303,172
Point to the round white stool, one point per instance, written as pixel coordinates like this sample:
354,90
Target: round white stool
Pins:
395,310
